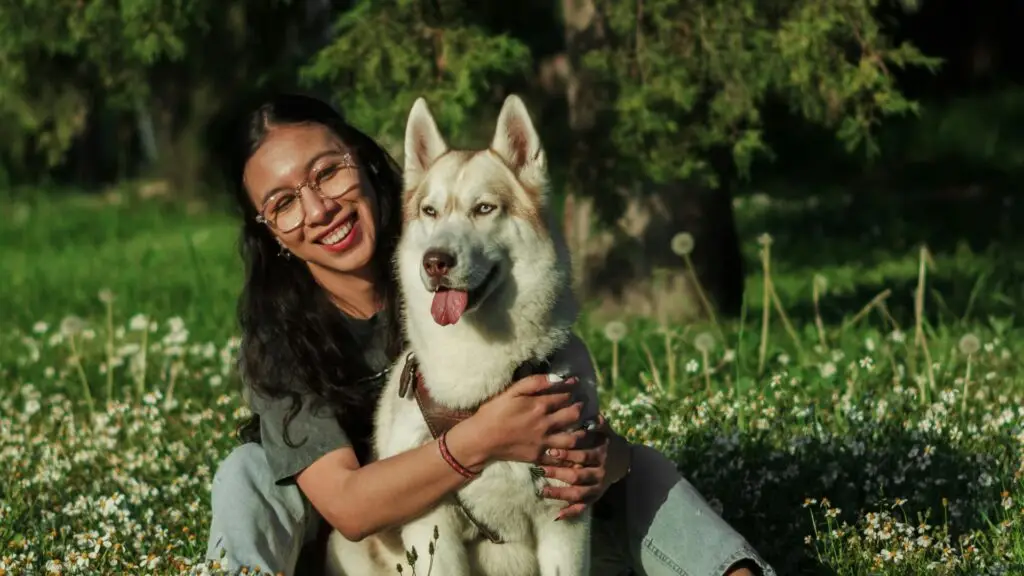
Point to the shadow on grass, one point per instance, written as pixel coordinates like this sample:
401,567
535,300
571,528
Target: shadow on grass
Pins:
869,226
948,178
763,483
870,242
952,299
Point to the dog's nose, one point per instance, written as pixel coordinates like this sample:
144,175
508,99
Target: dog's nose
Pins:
438,263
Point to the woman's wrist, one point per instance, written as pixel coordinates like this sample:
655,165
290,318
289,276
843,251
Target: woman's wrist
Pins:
468,447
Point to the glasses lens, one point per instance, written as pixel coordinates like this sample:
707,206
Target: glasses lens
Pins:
338,177
286,213
347,180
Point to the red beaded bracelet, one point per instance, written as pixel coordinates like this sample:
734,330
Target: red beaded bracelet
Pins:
442,443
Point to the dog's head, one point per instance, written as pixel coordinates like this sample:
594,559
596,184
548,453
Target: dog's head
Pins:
476,230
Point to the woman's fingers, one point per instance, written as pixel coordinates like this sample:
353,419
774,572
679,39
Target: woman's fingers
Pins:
589,458
539,383
571,511
561,442
530,385
565,418
574,476
575,494
555,402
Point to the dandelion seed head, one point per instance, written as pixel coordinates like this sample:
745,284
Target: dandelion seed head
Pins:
682,244
969,344
615,331
704,342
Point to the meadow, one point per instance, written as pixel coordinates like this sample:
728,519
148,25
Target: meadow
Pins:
864,416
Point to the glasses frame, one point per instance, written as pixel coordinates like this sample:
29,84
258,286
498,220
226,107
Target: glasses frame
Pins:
347,161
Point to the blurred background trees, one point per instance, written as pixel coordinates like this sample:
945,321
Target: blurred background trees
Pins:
656,114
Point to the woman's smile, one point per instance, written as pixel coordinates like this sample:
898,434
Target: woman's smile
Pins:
342,235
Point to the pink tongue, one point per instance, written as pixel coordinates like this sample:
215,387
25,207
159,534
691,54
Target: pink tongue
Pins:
448,306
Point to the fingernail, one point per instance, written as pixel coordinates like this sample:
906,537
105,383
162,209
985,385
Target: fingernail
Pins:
554,379
551,452
537,472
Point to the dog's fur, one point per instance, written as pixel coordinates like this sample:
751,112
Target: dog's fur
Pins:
515,266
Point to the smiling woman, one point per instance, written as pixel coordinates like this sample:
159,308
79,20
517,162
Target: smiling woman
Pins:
325,220
318,312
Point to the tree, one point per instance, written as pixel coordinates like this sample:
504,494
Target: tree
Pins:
684,88
666,102
386,53
84,81
64,60
654,108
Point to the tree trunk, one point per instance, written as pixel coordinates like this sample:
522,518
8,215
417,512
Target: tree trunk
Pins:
584,31
629,265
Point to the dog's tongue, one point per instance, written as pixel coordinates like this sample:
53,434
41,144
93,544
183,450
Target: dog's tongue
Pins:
448,306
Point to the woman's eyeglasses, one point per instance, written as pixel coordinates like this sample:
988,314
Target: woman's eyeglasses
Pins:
284,211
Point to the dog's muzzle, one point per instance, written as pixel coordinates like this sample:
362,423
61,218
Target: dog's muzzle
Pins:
438,264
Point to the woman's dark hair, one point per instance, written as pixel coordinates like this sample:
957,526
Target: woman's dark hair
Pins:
295,342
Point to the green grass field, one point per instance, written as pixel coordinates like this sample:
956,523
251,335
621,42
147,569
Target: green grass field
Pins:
855,449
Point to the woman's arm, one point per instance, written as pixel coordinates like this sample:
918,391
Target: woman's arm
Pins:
362,500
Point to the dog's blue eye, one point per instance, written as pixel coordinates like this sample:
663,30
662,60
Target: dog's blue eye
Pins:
429,211
485,208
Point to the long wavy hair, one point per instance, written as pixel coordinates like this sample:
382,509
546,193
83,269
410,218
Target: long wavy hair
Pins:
296,344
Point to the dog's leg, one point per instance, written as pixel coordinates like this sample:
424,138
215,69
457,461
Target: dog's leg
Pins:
450,557
563,547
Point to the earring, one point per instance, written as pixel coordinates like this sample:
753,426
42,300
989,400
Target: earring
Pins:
283,251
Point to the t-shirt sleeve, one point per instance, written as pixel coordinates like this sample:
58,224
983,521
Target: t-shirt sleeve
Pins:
313,432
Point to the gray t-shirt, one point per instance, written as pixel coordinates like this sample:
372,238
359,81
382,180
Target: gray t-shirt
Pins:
315,429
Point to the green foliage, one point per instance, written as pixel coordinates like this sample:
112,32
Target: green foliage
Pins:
692,77
59,58
681,80
385,54
977,131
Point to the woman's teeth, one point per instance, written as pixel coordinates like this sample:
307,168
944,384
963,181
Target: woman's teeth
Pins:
339,234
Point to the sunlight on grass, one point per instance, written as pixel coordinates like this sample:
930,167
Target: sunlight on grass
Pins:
855,447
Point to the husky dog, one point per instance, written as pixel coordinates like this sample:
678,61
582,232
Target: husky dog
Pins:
487,293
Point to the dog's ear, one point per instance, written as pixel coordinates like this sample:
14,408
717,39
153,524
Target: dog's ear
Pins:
423,144
518,144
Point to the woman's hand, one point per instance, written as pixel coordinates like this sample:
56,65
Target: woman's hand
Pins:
589,472
528,418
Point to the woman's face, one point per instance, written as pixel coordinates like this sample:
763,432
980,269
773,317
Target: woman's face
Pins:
308,187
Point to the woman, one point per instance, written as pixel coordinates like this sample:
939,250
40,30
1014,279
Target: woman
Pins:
318,312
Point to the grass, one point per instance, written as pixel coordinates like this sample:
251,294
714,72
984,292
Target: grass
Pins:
859,439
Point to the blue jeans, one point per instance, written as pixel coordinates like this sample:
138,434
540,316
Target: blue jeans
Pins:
652,523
